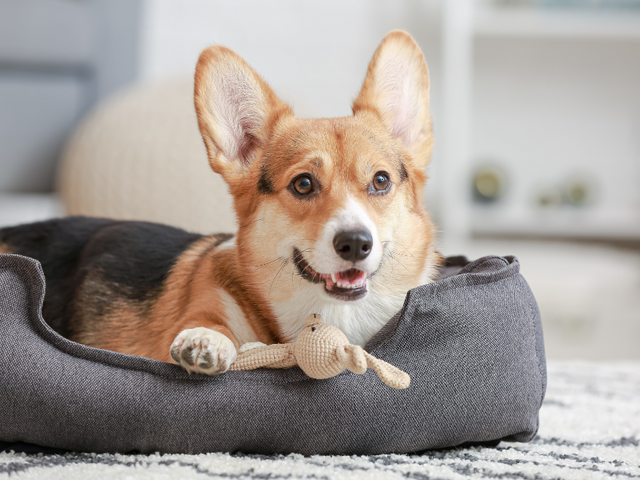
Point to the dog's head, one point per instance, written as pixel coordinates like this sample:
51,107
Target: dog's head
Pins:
329,210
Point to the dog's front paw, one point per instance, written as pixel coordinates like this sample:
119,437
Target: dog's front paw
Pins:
202,350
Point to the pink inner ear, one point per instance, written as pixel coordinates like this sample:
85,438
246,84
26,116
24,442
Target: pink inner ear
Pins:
237,105
399,97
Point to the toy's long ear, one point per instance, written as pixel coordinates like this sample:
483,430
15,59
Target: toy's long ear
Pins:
392,376
396,89
236,110
356,361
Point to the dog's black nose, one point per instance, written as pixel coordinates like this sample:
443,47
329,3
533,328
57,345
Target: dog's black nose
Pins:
353,246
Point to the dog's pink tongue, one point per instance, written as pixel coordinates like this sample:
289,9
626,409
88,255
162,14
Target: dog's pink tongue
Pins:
351,276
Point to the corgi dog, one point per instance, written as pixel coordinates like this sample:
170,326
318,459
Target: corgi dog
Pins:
330,214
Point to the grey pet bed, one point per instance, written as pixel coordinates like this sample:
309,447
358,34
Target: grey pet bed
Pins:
472,343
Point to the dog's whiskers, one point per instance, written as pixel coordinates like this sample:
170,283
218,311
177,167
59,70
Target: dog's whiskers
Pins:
392,255
285,261
267,263
401,245
245,225
284,264
280,258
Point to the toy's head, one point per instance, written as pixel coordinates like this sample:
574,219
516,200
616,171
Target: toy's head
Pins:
320,348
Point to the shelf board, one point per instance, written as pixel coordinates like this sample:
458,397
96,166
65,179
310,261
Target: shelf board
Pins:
561,223
557,24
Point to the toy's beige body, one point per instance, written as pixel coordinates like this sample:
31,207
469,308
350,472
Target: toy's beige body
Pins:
321,351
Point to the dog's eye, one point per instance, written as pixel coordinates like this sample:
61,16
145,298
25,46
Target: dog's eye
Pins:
381,182
303,185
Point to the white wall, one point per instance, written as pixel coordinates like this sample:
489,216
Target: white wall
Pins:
314,54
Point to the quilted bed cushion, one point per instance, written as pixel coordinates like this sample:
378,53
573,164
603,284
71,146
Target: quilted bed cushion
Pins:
472,343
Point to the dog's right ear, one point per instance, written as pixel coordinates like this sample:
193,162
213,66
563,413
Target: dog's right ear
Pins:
236,111
396,89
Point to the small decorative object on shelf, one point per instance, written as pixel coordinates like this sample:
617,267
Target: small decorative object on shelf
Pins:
548,196
488,184
579,191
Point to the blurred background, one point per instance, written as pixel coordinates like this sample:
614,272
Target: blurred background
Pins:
535,105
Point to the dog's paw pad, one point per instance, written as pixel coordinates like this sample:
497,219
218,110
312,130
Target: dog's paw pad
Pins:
202,350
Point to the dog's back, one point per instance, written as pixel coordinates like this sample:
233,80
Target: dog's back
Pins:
134,258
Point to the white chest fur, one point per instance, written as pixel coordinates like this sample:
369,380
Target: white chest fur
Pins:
359,321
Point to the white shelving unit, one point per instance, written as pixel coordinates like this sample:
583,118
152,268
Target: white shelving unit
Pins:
556,23
457,43
546,94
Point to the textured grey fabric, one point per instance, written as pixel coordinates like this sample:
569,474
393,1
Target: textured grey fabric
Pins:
472,344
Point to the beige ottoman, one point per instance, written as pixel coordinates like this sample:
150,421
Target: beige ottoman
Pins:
139,156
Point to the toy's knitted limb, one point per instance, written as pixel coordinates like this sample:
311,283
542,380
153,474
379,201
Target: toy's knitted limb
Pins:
268,356
392,376
354,358
250,345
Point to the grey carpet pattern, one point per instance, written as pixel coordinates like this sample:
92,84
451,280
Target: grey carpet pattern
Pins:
589,429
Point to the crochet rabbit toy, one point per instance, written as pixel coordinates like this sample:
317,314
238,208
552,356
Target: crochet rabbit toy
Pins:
321,351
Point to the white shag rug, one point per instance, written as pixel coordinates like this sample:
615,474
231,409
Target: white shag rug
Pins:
589,429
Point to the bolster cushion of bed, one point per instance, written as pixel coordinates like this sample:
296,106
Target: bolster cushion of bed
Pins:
471,342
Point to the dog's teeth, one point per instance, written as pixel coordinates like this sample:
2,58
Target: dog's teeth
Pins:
333,277
350,286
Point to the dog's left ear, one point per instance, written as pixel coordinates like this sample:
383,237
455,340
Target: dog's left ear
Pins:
236,111
396,90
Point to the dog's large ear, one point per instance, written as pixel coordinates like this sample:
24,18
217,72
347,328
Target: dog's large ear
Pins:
396,89
236,110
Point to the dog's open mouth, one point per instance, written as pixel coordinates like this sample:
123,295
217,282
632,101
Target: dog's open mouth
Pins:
349,284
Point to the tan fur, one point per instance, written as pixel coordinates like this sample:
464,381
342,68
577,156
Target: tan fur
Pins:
190,298
274,146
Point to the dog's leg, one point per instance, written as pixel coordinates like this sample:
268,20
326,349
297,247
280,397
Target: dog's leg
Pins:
204,350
